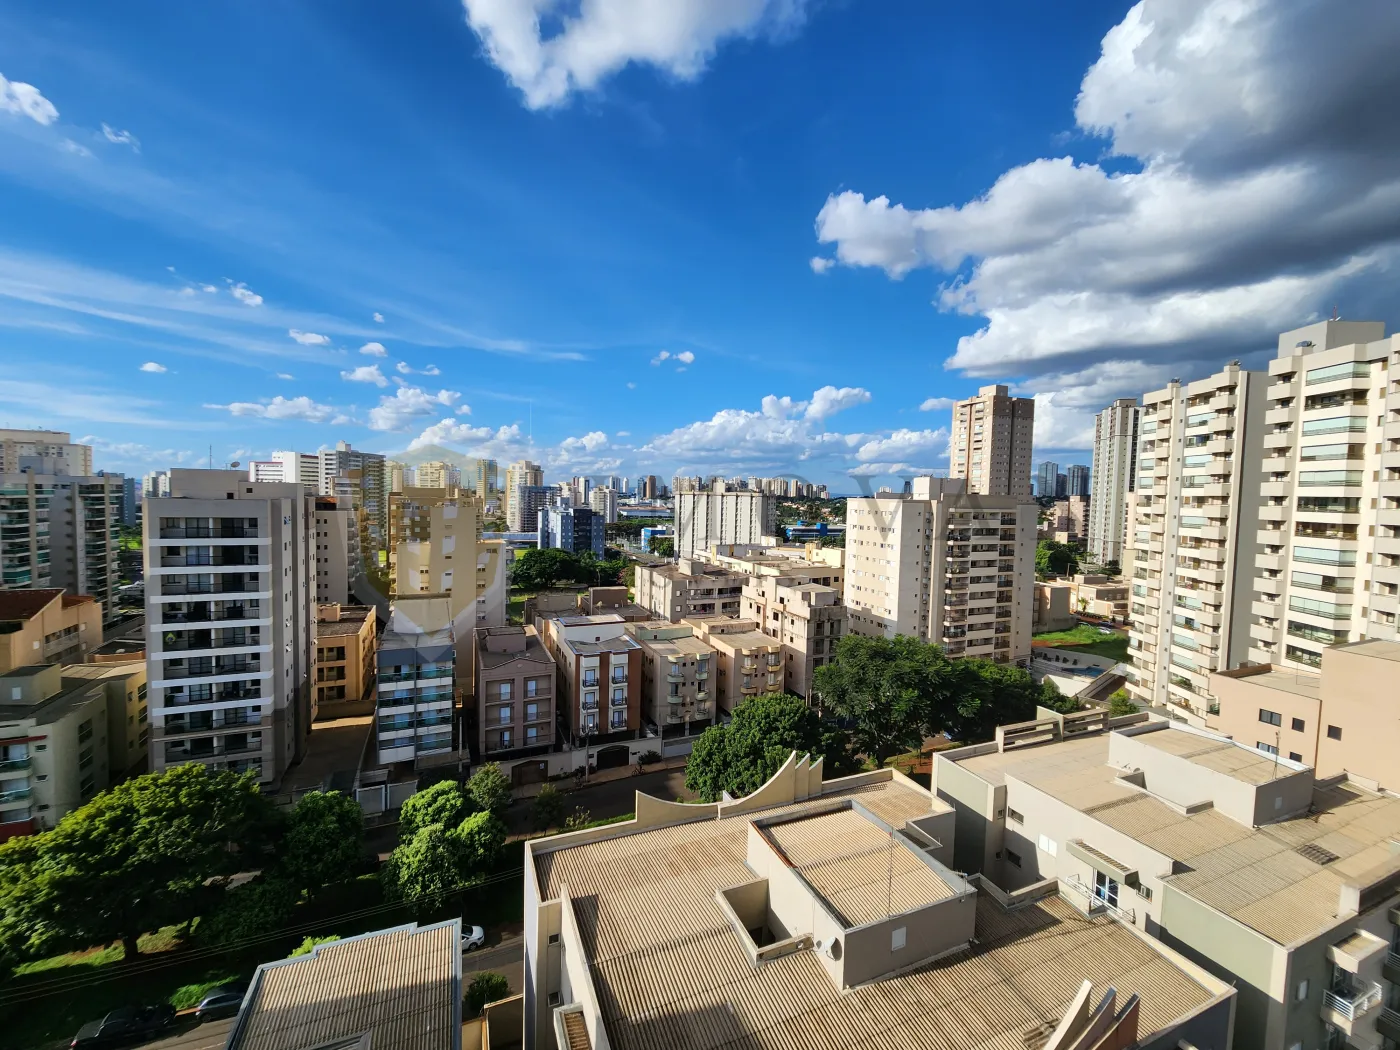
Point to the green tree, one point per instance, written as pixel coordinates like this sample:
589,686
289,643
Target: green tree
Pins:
324,842
540,569
1120,704
1056,559
425,867
548,808
250,910
444,803
988,695
489,788
881,687
480,837
139,855
740,756
1051,697
663,546
310,944
485,988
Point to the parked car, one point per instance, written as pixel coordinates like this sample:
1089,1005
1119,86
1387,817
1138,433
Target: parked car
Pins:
127,1024
223,1001
473,937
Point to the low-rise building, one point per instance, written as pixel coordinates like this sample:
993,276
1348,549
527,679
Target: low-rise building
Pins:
677,668
1053,606
1103,597
689,587
47,626
1278,882
807,618
53,746
1344,720
599,681
515,692
121,665
415,698
346,657
747,661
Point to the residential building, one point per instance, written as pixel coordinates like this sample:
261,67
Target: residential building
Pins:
368,486
809,561
943,566
1345,719
157,483
432,475
689,587
603,502
293,468
721,515
1045,479
1104,597
599,684
131,500
1194,542
574,529
828,913
1328,567
748,662
346,657
53,746
1077,480
121,667
1054,608
230,615
485,478
515,692
437,548
655,532
806,617
1277,882
44,452
1067,521
62,530
990,445
521,517
1114,479
677,692
416,697
394,989
338,561
47,627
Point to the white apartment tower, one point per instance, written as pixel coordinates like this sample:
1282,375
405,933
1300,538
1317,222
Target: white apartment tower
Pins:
521,475
944,566
1329,530
1113,479
603,502
230,617
1194,536
991,442
364,476
721,515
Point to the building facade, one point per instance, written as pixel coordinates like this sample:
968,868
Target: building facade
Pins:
346,657
599,680
365,477
437,548
603,502
689,587
1114,479
1194,541
990,446
748,662
415,701
520,517
1077,480
719,514
338,560
44,452
573,529
515,692
807,618
47,627
677,692
1047,479
230,622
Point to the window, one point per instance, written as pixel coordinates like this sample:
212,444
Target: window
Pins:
1302,992
1294,756
85,731
504,688
1013,815
1266,747
1272,718
1145,892
898,938
1014,858
1334,732
1298,725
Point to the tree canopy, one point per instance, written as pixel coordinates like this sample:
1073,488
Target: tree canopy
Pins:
444,803
438,859
489,788
485,988
1056,559
324,841
541,569
740,756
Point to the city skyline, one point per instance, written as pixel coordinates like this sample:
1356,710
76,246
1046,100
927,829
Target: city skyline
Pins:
197,269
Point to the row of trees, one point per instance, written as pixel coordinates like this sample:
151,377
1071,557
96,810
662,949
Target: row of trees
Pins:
450,837
539,570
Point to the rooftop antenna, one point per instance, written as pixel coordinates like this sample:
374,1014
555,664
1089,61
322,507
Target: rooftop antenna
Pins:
1335,317
211,457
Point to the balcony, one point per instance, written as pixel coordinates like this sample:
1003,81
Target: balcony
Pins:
14,767
1344,1007
16,796
674,675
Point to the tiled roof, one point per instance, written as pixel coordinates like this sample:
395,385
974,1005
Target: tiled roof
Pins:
23,605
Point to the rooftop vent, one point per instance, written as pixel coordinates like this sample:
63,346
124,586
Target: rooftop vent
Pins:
1316,853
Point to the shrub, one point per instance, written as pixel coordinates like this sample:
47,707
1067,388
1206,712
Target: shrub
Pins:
486,987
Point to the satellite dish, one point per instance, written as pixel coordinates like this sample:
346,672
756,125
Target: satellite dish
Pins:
234,465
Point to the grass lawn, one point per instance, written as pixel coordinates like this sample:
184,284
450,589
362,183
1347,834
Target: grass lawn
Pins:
1090,640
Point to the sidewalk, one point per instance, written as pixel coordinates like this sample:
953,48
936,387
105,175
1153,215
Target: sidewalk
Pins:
601,776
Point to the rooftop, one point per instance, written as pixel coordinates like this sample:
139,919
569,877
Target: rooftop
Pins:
1224,756
401,987
352,621
1375,648
621,644
24,605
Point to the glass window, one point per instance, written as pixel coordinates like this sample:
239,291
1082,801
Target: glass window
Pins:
1334,732
1272,718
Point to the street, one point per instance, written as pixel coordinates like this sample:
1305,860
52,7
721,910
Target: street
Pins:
208,1036
506,958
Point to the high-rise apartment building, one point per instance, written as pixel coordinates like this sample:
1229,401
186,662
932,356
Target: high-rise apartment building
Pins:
43,452
1329,569
485,477
368,486
522,475
1114,479
1194,536
337,556
62,530
990,445
721,515
437,548
297,468
603,502
431,475
650,486
230,616
156,483
416,689
944,566
1046,479
1077,480
574,529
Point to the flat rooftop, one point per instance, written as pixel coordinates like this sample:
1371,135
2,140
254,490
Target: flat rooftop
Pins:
1376,648
1223,756
685,983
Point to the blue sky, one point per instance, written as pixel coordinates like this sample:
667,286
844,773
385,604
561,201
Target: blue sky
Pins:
735,236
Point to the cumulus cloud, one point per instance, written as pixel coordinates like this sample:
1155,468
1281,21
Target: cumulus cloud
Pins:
829,400
154,366
502,443
121,138
404,368
597,38
374,349
365,374
937,404
820,264
25,100
904,443
288,408
665,355
407,405
685,357
1254,187
244,294
378,317
284,375
309,338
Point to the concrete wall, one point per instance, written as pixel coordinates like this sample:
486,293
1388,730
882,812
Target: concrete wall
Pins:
1360,698
1241,697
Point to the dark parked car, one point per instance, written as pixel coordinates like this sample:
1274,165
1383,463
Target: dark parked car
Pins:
220,1002
128,1024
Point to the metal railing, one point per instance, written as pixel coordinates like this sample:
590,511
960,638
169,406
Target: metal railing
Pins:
1096,902
1357,1004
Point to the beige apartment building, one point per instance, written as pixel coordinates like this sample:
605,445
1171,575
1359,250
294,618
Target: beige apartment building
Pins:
1277,882
689,587
1114,479
1067,521
748,662
807,618
828,914
1345,719
943,566
338,560
719,514
515,692
809,561
436,548
677,668
990,446
47,626
44,452
599,684
346,646
1194,538
1103,597
521,475
1328,569
121,666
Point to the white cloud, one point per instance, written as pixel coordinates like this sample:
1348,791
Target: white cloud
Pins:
631,385
284,375
404,368
430,370
365,374
154,366
378,317
937,404
829,400
209,288
121,138
597,38
624,433
928,444
244,294
820,264
664,355
78,150
503,443
286,408
26,101
374,350
407,404
685,357
309,338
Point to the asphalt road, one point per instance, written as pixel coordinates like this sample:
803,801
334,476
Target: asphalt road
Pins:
507,958
208,1036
